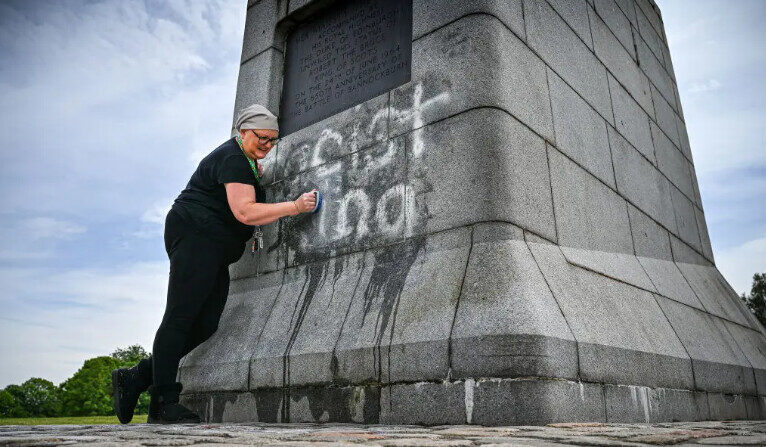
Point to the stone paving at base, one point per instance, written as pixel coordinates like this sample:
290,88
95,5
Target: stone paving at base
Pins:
712,433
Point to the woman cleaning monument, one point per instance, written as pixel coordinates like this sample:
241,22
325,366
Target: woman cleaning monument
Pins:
205,231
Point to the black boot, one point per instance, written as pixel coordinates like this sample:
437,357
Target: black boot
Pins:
127,386
165,409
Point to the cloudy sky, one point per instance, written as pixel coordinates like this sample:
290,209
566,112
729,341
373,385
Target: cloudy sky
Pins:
107,107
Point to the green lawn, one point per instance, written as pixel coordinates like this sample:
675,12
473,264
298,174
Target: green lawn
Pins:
75,420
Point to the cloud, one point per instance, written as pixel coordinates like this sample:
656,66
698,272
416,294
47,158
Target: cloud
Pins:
738,264
706,86
62,318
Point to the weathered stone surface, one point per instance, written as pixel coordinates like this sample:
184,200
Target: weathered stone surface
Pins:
580,130
567,55
472,62
749,341
397,326
575,14
719,364
685,219
669,281
648,32
534,402
672,163
423,403
507,173
630,120
618,23
622,334
588,214
710,288
620,63
628,403
260,81
726,406
429,15
641,183
665,118
684,253
649,238
507,322
653,69
707,249
619,266
260,24
222,362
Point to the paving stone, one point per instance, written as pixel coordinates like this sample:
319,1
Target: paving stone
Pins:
508,174
620,63
472,62
630,120
649,238
588,214
734,440
428,15
580,130
567,55
507,322
641,183
575,13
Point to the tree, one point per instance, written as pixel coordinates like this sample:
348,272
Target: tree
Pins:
757,299
89,391
40,397
130,355
10,406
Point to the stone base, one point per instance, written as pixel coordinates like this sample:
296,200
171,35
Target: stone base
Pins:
524,401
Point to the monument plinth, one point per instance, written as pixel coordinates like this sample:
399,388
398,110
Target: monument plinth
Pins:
512,231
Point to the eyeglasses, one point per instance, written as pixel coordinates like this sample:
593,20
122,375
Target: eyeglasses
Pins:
264,140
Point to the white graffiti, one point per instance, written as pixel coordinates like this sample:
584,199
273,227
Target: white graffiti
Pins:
358,199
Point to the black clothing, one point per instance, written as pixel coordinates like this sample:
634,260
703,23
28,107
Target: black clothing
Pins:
203,202
197,290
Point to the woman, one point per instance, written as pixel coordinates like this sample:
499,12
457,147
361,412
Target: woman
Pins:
205,231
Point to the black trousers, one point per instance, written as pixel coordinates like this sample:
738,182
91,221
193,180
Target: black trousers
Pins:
197,289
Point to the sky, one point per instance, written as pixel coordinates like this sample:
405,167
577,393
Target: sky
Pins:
106,107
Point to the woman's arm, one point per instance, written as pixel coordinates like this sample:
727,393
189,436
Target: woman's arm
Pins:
241,198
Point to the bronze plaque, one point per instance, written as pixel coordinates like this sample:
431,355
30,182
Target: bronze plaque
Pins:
347,54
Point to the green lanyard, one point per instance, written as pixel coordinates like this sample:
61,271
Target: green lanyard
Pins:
252,163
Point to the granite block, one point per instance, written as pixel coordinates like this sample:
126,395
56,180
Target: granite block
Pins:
567,55
507,171
685,219
260,82
672,163
575,14
649,238
641,183
472,62
631,120
630,403
580,130
430,15
588,214
618,22
670,282
507,322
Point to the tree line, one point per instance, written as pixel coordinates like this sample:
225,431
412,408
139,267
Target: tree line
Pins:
87,393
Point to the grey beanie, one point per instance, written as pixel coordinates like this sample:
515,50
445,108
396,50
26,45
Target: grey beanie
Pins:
256,116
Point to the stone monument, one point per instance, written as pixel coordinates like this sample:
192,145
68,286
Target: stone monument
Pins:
512,231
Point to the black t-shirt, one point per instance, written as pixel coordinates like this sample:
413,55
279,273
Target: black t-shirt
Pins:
203,202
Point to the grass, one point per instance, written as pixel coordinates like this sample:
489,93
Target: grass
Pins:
74,420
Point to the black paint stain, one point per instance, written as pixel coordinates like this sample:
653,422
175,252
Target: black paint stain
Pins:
392,266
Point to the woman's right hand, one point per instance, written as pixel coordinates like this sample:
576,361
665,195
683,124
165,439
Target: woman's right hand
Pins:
306,202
